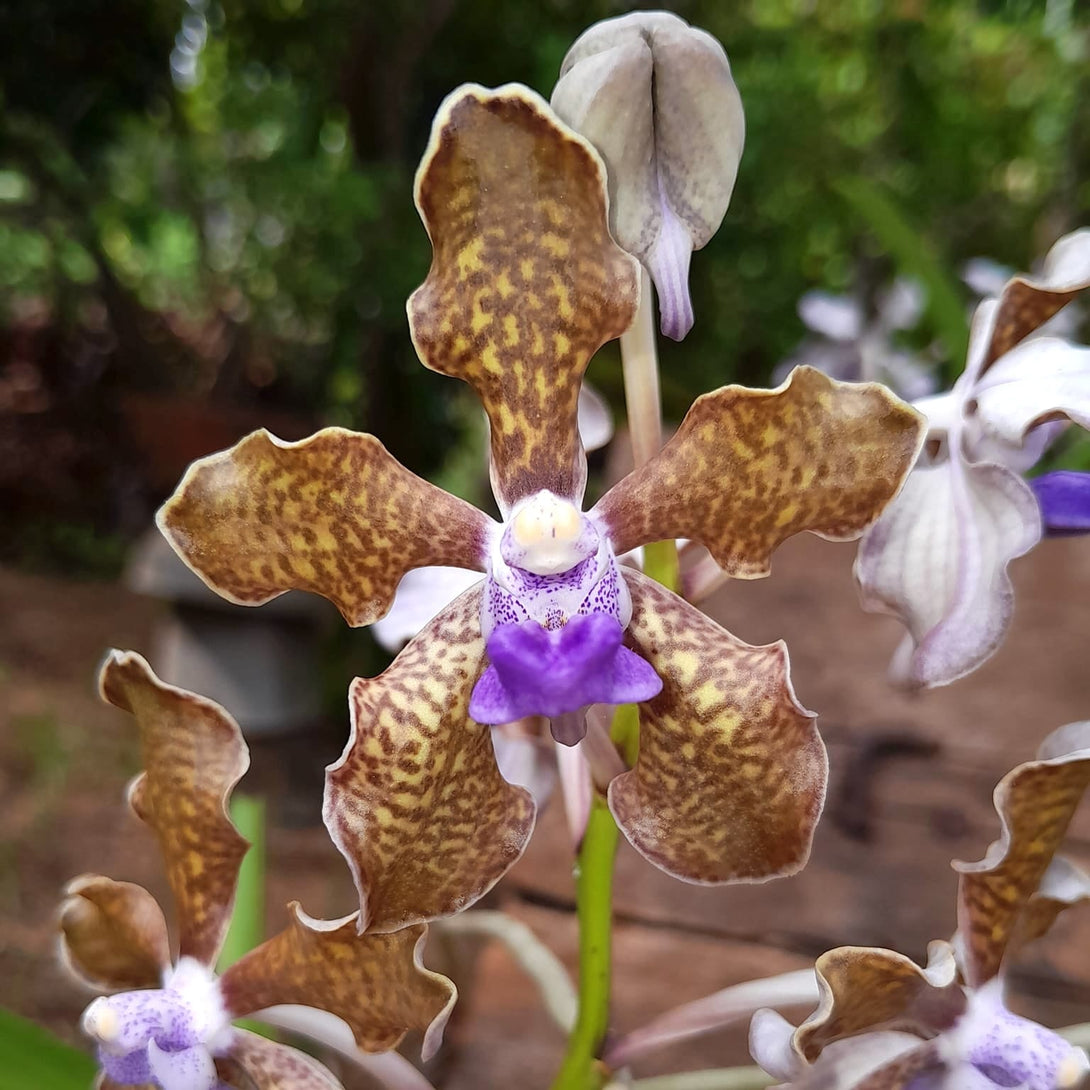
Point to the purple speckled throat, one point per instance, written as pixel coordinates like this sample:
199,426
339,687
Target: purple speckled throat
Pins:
161,1036
554,614
991,1047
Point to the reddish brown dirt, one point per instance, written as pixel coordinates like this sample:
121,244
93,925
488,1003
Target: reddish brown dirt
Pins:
912,777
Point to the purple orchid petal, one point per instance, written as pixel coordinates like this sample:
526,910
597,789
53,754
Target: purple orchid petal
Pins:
540,671
1064,497
668,264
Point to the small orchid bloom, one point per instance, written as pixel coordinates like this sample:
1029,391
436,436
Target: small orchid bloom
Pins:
170,1025
853,349
971,1041
937,558
656,97
525,285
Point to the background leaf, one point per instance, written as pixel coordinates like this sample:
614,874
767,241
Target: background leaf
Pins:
32,1059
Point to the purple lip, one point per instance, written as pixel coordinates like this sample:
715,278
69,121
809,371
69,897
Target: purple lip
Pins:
539,671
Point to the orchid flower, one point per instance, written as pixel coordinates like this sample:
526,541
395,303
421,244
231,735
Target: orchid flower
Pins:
971,1041
525,285
854,349
168,1025
656,97
937,558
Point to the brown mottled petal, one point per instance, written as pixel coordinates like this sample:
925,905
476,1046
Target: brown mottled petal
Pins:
334,514
113,934
1026,303
1035,803
376,983
1064,884
256,1063
731,773
865,989
749,468
526,283
416,803
193,755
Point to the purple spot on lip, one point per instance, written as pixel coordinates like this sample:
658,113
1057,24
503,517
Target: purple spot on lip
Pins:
537,671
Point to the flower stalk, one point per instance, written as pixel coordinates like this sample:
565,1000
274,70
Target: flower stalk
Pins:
640,365
643,401
582,1068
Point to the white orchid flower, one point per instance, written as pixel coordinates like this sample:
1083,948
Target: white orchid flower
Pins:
937,558
852,348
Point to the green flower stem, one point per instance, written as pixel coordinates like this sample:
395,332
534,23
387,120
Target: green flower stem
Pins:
660,562
726,1078
581,1069
643,400
247,928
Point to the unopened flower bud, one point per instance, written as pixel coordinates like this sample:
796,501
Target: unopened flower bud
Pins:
655,96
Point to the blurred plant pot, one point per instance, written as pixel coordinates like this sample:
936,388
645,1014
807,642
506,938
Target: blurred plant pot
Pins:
261,664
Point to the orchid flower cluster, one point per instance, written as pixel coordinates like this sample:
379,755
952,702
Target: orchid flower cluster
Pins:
937,558
946,1025
548,226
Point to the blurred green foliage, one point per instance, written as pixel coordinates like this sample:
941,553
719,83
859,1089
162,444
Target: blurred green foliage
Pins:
31,1057
215,195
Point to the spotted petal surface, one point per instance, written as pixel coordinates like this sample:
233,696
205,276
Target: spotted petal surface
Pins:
865,989
335,514
416,803
749,468
113,934
1035,803
256,1063
731,772
1064,884
526,283
375,983
193,755
1026,303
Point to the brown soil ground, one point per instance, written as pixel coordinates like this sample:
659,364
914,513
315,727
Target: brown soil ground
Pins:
911,784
